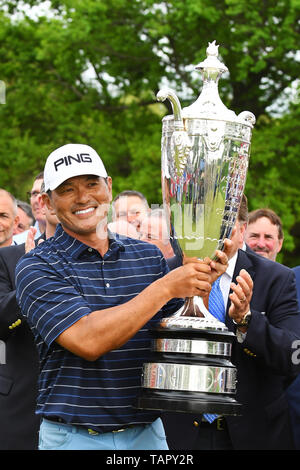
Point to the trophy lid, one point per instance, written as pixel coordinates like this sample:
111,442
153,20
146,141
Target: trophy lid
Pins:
209,104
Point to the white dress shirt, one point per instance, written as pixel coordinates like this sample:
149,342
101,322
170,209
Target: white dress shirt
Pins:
225,282
226,279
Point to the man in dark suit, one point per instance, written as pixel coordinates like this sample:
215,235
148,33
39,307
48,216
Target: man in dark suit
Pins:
264,360
19,425
293,391
297,274
18,375
263,355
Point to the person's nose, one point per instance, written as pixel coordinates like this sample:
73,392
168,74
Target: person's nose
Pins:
131,218
82,195
261,242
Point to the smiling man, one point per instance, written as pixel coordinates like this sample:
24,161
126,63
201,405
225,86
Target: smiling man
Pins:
91,298
37,211
154,229
131,206
8,217
264,233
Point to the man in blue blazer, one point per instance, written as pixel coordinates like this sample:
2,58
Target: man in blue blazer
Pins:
266,359
297,274
293,392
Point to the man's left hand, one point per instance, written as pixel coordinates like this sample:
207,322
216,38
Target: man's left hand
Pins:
241,296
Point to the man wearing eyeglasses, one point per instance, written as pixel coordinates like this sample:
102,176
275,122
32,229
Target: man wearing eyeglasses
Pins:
26,218
37,211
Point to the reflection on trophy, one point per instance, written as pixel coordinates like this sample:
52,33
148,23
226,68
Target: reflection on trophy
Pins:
205,150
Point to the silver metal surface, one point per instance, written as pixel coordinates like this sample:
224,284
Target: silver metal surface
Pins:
187,377
202,346
179,320
205,150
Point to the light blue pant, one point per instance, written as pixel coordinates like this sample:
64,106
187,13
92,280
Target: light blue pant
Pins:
57,436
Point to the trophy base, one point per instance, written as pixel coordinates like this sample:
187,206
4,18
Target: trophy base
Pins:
189,402
190,369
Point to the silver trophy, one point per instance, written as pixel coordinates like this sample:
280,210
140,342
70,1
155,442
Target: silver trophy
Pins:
205,150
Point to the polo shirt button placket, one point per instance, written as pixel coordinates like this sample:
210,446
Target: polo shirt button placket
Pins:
107,284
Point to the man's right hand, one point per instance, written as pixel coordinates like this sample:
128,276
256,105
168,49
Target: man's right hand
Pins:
30,244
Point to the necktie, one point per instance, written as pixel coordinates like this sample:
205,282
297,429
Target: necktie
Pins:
216,301
217,309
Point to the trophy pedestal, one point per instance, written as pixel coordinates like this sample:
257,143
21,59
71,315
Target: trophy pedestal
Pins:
190,369
188,402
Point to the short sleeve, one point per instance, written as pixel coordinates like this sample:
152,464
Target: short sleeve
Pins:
48,301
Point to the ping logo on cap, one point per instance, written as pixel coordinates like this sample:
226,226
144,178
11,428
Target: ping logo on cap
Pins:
68,160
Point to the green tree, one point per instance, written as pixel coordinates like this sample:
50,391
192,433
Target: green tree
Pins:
274,175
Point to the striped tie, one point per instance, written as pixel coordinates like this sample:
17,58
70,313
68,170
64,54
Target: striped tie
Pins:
216,301
217,309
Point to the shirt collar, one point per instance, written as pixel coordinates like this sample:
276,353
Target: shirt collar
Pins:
115,241
231,265
76,248
232,261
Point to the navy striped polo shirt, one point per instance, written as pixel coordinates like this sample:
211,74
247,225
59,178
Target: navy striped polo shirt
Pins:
59,282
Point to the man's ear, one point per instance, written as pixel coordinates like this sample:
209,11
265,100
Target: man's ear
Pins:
46,201
280,245
109,185
16,221
243,229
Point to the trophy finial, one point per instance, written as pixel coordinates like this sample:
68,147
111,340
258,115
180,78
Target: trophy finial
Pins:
209,103
212,49
212,62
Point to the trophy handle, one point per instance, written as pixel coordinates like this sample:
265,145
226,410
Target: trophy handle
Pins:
180,142
167,93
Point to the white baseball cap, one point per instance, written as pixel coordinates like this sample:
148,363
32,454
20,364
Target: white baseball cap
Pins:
71,160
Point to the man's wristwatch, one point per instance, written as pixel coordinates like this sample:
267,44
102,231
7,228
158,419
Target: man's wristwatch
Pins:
245,321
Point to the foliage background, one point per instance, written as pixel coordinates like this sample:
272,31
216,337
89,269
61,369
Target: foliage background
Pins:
88,71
